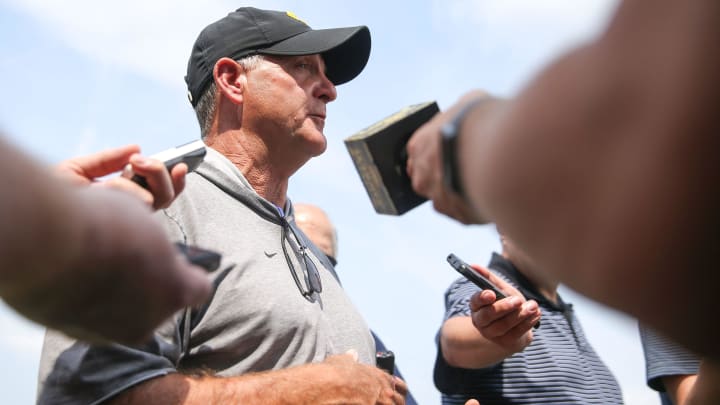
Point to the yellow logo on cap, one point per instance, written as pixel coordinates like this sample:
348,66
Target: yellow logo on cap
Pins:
294,17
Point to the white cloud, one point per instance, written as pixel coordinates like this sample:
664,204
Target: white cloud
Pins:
150,38
512,39
153,38
526,19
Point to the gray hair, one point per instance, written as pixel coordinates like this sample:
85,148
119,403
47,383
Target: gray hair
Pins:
207,105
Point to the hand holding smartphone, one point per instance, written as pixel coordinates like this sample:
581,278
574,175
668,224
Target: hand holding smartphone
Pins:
191,153
477,278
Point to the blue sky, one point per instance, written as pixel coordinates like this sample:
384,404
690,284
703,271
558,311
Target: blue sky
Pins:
80,76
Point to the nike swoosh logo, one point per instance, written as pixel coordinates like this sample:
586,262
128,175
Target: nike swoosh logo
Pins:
270,255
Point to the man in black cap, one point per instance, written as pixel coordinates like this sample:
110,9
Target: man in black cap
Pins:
259,82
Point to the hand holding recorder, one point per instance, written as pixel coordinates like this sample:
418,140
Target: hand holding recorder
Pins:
128,269
191,153
164,180
150,174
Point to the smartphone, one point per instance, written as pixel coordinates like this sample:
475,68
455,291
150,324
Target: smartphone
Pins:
472,275
385,360
207,259
191,153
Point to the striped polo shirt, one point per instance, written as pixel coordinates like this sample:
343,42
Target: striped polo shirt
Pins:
558,367
663,358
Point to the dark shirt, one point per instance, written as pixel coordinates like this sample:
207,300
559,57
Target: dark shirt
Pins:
559,366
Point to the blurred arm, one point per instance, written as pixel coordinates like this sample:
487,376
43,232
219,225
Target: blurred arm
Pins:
678,387
604,168
42,222
69,256
705,389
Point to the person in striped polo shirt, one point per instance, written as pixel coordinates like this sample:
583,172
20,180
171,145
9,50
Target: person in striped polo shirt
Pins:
680,376
489,350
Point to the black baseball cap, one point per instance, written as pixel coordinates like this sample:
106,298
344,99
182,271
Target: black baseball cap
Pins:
249,31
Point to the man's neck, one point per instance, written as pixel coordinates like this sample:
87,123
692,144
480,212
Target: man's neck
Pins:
545,286
252,158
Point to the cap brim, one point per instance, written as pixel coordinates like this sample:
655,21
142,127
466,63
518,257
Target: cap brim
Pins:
344,50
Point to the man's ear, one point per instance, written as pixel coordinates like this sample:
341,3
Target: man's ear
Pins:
230,79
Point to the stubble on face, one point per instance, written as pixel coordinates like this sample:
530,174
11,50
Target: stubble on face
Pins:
281,99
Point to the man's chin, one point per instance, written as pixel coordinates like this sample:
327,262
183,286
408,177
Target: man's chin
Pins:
319,144
320,150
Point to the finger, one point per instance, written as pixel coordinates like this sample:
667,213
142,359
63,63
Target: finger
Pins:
353,354
481,299
498,310
101,163
523,331
421,181
177,175
446,203
392,390
127,186
400,386
461,206
398,398
340,358
472,402
157,177
196,286
502,326
409,167
504,286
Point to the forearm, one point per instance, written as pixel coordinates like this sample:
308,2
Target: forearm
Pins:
608,156
42,224
463,346
303,385
678,387
706,388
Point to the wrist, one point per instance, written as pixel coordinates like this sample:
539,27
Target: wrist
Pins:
450,135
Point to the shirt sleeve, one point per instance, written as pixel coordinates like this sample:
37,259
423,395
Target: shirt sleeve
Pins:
664,357
457,298
80,373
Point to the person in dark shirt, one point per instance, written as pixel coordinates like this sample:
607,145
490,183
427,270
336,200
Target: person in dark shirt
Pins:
489,350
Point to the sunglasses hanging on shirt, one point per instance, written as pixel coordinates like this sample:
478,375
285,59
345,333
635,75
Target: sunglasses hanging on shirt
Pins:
310,273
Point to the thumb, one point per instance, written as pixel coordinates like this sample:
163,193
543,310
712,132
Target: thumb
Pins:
196,285
353,354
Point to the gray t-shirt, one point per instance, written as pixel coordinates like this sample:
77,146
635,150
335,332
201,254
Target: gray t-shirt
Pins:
258,319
